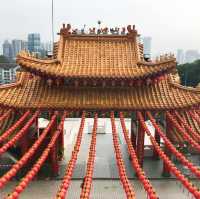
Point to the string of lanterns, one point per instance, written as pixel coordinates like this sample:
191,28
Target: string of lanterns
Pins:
140,173
86,188
186,183
4,116
194,169
128,188
8,132
26,157
194,134
36,167
197,112
182,131
71,165
195,116
20,134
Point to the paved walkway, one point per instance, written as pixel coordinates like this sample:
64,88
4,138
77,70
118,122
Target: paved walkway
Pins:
105,164
102,189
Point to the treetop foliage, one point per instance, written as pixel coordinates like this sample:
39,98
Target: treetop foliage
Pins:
189,73
4,59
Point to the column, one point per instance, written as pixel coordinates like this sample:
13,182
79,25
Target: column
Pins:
140,144
133,134
166,170
24,141
157,138
54,153
61,144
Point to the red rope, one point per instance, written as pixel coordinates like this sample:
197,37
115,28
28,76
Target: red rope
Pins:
26,157
197,111
71,165
186,183
140,173
182,131
4,116
8,132
194,134
194,169
36,167
128,188
195,116
87,184
11,142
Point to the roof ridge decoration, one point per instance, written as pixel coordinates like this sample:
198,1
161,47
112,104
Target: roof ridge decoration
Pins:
65,30
162,59
132,32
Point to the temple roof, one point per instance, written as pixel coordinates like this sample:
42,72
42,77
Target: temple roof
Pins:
33,92
96,56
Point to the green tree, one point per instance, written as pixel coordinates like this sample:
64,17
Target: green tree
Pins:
190,73
4,59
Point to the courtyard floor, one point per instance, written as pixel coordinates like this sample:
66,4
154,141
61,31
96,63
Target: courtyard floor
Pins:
106,182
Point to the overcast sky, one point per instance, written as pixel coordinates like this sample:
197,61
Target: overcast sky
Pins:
172,24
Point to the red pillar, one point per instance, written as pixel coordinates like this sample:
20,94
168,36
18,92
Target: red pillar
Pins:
166,170
36,124
24,143
140,144
61,144
133,135
157,138
54,154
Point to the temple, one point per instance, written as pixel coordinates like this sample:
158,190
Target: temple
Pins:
97,75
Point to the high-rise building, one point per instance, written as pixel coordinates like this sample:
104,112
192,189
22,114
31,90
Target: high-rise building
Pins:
24,45
191,56
147,46
7,49
16,46
180,56
46,49
47,46
34,45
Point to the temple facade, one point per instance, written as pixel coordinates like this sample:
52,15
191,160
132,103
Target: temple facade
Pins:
93,75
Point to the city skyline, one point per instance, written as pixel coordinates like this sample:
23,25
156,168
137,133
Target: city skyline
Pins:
172,25
33,44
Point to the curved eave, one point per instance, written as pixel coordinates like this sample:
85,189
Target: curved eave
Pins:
53,69
186,88
36,94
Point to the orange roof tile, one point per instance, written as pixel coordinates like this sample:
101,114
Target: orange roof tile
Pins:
35,93
96,57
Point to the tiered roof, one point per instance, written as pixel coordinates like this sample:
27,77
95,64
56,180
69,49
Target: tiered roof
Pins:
99,57
34,92
105,58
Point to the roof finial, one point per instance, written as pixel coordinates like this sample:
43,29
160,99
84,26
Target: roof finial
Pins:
65,30
99,30
131,30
